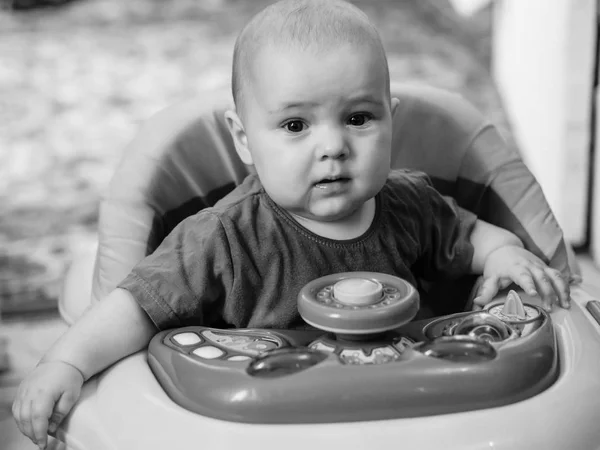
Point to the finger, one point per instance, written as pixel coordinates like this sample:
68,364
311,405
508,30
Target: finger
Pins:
62,408
486,292
475,290
16,412
524,279
25,419
561,287
41,411
544,287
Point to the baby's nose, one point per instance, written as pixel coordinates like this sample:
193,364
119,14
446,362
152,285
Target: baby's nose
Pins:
333,144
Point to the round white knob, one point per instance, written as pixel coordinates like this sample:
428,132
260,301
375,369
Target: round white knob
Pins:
357,291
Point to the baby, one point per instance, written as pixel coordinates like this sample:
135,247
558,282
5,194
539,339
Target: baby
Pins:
313,116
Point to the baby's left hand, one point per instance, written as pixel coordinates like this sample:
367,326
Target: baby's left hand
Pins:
512,264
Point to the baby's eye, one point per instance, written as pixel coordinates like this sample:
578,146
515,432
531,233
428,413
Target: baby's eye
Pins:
294,126
358,120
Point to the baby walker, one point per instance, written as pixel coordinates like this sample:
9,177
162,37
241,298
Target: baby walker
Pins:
510,377
366,377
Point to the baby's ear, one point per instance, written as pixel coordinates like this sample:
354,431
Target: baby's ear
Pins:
395,103
240,140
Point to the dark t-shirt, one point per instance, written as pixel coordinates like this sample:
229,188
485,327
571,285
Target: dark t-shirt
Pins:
242,262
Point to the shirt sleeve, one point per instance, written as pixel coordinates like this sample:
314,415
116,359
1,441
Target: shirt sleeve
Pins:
446,249
184,282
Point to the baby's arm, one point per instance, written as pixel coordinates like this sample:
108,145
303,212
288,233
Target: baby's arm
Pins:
486,238
112,329
499,255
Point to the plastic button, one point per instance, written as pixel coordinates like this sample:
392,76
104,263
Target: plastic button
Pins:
357,291
208,352
513,307
238,358
458,348
187,338
285,361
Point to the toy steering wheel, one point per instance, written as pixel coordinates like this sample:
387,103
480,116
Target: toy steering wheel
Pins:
358,303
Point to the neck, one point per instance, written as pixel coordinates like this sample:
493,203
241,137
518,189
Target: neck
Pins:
350,227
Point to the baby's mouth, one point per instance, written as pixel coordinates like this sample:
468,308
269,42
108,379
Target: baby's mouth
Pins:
328,182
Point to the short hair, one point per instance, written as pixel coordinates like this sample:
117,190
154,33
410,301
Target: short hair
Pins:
307,24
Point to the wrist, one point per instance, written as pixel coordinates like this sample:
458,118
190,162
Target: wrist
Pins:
66,363
516,242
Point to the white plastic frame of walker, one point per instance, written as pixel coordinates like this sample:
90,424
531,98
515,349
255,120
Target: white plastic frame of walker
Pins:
115,412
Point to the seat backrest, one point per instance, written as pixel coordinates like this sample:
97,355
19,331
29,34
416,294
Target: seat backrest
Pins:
441,134
183,160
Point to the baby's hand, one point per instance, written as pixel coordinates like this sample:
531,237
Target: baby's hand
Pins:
512,264
44,398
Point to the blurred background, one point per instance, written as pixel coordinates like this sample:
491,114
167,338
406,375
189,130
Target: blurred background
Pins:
77,78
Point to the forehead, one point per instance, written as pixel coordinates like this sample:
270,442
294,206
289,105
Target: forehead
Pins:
289,75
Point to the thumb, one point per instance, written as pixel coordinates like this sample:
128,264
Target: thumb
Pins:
487,291
62,408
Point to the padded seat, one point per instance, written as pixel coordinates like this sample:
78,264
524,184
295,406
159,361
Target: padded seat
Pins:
183,159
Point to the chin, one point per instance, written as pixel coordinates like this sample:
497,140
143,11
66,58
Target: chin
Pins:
331,217
335,215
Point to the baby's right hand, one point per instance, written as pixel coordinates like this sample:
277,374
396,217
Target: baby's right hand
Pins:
44,398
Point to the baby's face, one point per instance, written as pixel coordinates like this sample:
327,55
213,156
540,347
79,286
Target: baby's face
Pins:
318,128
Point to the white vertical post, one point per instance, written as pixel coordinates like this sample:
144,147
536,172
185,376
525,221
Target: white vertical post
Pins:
543,63
595,203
